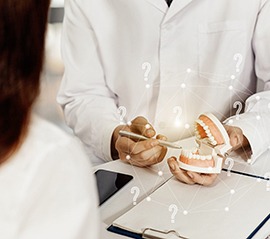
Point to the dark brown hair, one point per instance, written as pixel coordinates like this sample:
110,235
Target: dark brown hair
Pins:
22,36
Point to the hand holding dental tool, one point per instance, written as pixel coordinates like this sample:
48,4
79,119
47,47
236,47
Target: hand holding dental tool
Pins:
141,153
132,135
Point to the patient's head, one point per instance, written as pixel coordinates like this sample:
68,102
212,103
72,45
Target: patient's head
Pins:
22,36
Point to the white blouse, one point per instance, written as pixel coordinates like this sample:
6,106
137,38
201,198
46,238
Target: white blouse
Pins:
47,188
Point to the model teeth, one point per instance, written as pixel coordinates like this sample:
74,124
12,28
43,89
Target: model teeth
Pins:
200,122
194,151
195,155
207,131
198,135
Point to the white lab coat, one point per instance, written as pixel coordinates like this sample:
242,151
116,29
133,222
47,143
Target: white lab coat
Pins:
205,55
47,188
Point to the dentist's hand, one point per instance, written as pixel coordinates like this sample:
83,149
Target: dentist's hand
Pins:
138,153
188,176
237,139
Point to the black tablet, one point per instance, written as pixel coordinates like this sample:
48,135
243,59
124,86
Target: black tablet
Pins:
108,183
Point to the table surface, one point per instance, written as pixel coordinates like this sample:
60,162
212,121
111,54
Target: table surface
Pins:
150,178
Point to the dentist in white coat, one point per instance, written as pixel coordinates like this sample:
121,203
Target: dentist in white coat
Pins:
132,58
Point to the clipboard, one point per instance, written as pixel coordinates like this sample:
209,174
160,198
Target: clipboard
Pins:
259,227
130,223
148,233
147,236
123,232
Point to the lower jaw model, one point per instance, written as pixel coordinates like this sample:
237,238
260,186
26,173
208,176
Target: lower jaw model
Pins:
213,145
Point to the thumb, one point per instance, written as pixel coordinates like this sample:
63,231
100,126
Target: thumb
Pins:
140,125
236,139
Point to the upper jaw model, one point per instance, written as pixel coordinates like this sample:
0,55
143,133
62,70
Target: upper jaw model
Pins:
213,146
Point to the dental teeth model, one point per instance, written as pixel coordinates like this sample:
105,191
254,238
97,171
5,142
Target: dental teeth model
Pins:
213,146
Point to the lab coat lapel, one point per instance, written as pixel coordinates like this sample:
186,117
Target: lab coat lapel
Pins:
176,6
160,4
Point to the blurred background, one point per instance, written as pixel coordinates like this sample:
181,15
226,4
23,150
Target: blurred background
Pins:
53,70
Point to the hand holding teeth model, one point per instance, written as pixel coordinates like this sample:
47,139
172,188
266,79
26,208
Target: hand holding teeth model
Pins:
213,146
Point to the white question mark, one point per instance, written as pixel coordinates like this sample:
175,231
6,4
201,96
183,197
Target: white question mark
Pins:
239,58
174,209
178,111
147,67
230,162
239,105
267,176
122,111
135,190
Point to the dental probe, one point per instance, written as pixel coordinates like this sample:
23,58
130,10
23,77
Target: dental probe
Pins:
141,137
